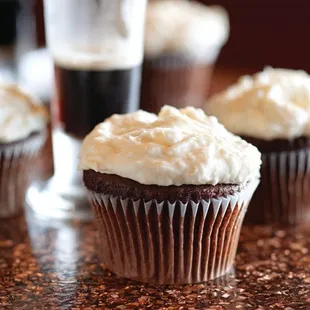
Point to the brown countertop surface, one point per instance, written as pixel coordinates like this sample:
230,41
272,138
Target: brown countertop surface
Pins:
54,265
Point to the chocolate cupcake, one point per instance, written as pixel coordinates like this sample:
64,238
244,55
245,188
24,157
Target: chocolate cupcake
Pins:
22,135
169,193
271,110
182,42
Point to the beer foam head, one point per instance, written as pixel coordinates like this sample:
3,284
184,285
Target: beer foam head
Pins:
185,27
97,57
20,114
96,35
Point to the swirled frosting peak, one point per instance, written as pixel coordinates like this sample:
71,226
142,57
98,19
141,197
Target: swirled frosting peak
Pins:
272,104
20,114
174,147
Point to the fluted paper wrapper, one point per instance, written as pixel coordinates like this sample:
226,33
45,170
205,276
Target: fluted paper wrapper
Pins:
283,196
170,243
17,162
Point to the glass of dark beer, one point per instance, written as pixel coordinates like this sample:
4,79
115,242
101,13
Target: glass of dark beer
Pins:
97,49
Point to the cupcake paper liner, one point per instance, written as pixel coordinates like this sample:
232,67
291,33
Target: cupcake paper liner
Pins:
283,196
17,163
170,242
174,81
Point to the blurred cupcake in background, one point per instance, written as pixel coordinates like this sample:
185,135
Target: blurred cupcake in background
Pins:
182,42
23,132
169,192
31,67
271,110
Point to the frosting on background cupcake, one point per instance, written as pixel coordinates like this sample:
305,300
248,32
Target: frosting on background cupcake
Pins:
176,147
188,28
20,114
272,104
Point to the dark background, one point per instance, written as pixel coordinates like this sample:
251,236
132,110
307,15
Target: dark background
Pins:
263,32
267,32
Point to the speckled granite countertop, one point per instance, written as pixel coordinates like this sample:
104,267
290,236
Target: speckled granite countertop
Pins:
54,265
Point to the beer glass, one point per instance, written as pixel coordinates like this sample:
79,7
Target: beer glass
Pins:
97,49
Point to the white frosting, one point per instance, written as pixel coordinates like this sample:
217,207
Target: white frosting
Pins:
188,28
176,147
96,35
20,114
273,104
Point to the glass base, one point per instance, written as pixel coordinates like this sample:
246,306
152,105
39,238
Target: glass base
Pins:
64,195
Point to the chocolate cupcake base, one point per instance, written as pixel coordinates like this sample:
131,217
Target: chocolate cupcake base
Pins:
170,242
17,163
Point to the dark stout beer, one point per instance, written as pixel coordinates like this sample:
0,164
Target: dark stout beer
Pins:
8,18
86,97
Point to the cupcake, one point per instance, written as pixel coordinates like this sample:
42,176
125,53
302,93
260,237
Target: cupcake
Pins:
22,135
271,110
182,42
169,192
